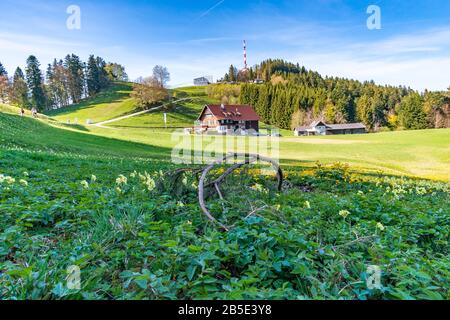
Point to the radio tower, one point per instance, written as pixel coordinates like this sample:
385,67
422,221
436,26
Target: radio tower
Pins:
245,56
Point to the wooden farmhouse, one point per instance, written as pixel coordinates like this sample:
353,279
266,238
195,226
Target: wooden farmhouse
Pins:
228,119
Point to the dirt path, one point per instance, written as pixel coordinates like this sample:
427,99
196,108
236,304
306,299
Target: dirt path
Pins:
103,123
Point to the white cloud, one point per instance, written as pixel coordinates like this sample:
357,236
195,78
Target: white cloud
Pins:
432,40
15,49
418,59
419,74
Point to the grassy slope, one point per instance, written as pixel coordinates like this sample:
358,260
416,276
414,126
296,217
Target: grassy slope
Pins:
183,114
42,135
109,104
134,243
414,153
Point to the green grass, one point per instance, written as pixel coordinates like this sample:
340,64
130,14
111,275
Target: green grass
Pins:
43,135
422,153
181,115
148,239
411,153
109,104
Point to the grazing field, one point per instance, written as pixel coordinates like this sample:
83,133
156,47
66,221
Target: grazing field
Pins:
103,199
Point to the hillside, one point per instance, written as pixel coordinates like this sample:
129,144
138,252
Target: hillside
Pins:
116,102
422,153
108,104
180,115
69,197
57,138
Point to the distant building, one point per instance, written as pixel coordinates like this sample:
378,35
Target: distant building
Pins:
228,119
320,128
202,81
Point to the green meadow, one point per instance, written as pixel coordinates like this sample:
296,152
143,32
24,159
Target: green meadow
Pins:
103,199
422,153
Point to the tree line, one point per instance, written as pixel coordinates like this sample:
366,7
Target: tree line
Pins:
66,81
293,96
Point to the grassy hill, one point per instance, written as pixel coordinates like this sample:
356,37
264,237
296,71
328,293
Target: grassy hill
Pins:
180,115
55,138
411,153
116,102
71,197
108,104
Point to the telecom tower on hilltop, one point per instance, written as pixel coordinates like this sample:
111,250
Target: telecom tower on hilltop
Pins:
245,56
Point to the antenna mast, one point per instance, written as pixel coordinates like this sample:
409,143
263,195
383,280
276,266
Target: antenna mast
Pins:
245,55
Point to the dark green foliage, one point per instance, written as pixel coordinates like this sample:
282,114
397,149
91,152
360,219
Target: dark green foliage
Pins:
232,74
71,80
92,76
75,77
132,243
412,114
96,75
3,71
35,83
293,96
144,237
103,79
116,72
19,90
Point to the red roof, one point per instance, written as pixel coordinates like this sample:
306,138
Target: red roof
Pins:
232,112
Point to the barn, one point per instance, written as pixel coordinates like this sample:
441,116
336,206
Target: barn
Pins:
320,128
228,119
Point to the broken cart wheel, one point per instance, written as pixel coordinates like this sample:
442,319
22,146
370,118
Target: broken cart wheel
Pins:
249,159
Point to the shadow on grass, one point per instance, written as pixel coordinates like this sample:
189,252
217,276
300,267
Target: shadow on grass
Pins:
34,135
114,94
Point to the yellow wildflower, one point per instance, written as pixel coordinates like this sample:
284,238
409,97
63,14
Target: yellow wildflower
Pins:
344,213
380,226
10,180
121,179
307,205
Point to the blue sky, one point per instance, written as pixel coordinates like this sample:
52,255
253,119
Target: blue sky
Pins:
203,37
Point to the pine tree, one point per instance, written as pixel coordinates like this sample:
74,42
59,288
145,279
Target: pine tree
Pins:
75,68
58,84
232,74
3,71
92,76
35,83
412,115
4,84
102,74
19,90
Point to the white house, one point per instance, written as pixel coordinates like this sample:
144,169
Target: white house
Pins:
202,81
